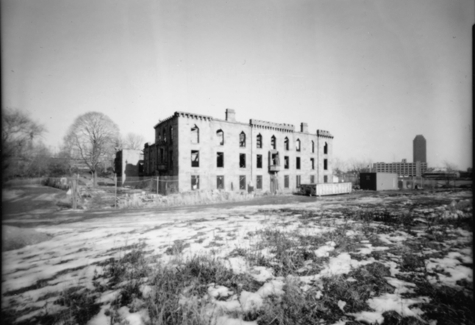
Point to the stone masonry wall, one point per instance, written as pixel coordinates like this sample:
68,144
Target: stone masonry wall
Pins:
208,147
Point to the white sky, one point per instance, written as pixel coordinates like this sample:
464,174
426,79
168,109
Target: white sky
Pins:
375,73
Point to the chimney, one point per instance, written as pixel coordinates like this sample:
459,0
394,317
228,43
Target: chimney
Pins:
230,115
304,127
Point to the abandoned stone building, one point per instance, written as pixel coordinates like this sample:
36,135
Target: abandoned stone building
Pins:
128,162
202,152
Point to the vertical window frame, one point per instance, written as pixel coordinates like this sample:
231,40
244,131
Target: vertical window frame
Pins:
259,141
195,163
242,160
242,182
242,140
259,182
218,160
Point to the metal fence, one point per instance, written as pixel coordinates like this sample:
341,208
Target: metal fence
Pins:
429,183
163,185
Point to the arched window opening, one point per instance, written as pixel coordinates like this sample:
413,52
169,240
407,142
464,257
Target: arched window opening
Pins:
259,141
325,148
286,143
195,134
242,140
220,135
273,142
297,145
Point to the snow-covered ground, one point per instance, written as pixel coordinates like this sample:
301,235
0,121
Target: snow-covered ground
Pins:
34,277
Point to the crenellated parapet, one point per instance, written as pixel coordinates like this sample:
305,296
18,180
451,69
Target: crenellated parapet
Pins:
324,134
283,127
185,115
193,116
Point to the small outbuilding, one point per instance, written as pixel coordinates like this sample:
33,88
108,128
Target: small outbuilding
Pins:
378,181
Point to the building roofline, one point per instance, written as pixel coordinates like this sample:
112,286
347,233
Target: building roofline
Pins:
253,123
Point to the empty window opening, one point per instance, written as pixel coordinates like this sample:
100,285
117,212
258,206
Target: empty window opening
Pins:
286,143
171,134
274,159
297,145
325,148
220,159
220,182
242,182
259,141
162,158
259,182
259,161
286,162
297,163
195,158
297,181
312,179
273,142
242,160
164,136
195,182
171,159
313,147
325,164
195,134
325,179
220,135
312,162
286,181
242,140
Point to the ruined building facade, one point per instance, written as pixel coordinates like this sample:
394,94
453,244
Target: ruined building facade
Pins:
202,152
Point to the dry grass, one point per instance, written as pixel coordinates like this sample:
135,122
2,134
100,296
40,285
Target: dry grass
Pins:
177,291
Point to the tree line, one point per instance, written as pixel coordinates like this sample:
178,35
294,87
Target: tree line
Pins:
91,140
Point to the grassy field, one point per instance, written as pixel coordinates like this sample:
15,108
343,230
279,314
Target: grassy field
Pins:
404,258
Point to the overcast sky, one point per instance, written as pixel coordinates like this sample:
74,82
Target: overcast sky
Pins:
375,73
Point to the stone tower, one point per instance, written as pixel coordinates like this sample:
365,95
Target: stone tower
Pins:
419,149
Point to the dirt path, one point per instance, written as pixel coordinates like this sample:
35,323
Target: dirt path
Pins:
36,205
32,199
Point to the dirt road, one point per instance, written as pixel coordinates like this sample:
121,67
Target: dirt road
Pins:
36,205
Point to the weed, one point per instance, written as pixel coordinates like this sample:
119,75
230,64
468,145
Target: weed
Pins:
177,247
447,305
131,266
178,291
369,282
294,307
81,305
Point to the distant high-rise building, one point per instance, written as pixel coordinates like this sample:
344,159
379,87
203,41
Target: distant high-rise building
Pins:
403,168
419,149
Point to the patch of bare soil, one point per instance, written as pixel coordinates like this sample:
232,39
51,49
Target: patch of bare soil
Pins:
33,199
15,237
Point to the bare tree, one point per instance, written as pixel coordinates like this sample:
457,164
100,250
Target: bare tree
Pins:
339,166
451,172
18,134
92,138
133,141
359,166
450,166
